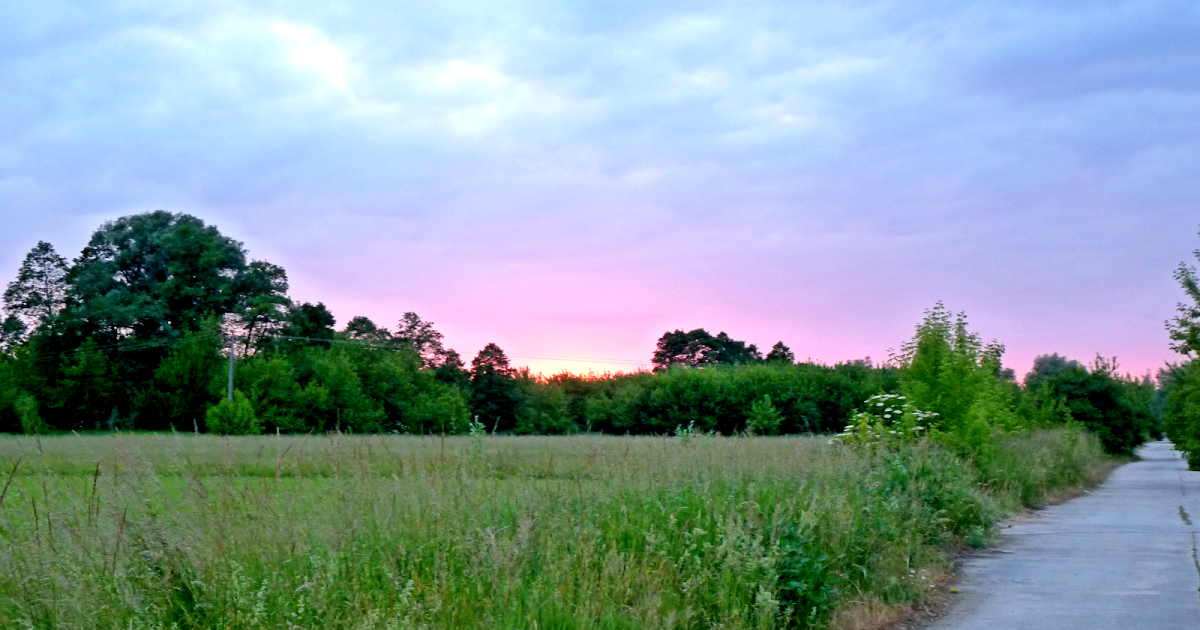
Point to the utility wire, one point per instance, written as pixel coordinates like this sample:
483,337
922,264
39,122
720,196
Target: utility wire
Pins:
129,346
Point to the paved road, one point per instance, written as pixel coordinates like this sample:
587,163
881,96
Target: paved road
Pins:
1123,557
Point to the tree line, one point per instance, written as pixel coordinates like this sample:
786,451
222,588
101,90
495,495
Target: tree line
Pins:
138,333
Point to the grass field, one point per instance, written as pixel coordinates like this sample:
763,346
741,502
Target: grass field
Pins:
187,531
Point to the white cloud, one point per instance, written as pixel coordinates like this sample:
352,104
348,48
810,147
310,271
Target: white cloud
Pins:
310,50
810,119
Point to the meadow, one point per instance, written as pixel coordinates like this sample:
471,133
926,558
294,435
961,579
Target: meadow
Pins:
177,530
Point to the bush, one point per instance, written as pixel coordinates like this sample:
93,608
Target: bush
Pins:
764,418
1106,405
443,411
233,416
27,410
1182,414
888,421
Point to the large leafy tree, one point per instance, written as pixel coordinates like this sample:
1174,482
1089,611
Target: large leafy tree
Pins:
143,283
264,302
40,289
698,348
1046,366
155,274
363,329
309,325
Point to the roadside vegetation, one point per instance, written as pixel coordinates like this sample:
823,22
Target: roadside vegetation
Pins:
1179,402
337,531
398,487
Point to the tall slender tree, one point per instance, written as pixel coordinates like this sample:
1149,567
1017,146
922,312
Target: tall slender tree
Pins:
40,289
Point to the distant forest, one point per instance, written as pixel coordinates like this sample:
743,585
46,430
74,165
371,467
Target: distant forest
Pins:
140,330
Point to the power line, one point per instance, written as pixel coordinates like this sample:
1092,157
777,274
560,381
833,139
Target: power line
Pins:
577,359
129,346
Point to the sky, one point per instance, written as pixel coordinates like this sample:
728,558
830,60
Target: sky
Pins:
570,180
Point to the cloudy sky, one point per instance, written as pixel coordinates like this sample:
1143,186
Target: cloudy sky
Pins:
572,179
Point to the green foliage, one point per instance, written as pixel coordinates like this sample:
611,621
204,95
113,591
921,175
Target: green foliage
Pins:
1181,384
350,532
352,409
698,347
807,586
441,410
105,323
1182,415
9,391
233,416
948,372
544,410
156,273
264,303
310,325
764,418
12,332
494,396
421,337
888,421
1116,409
363,329
808,397
26,407
40,290
187,382
274,393
780,354
87,390
1184,328
945,368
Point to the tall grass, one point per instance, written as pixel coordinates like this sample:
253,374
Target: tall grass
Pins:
185,531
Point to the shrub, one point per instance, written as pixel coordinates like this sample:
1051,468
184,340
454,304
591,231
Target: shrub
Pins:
1182,414
442,411
888,420
233,416
1105,404
27,410
764,418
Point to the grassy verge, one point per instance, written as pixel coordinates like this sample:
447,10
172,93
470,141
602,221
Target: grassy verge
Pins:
576,532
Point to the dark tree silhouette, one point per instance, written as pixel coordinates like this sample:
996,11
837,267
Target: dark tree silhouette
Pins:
494,397
780,354
698,348
40,290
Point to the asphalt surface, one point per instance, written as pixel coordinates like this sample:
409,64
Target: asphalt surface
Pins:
1123,556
